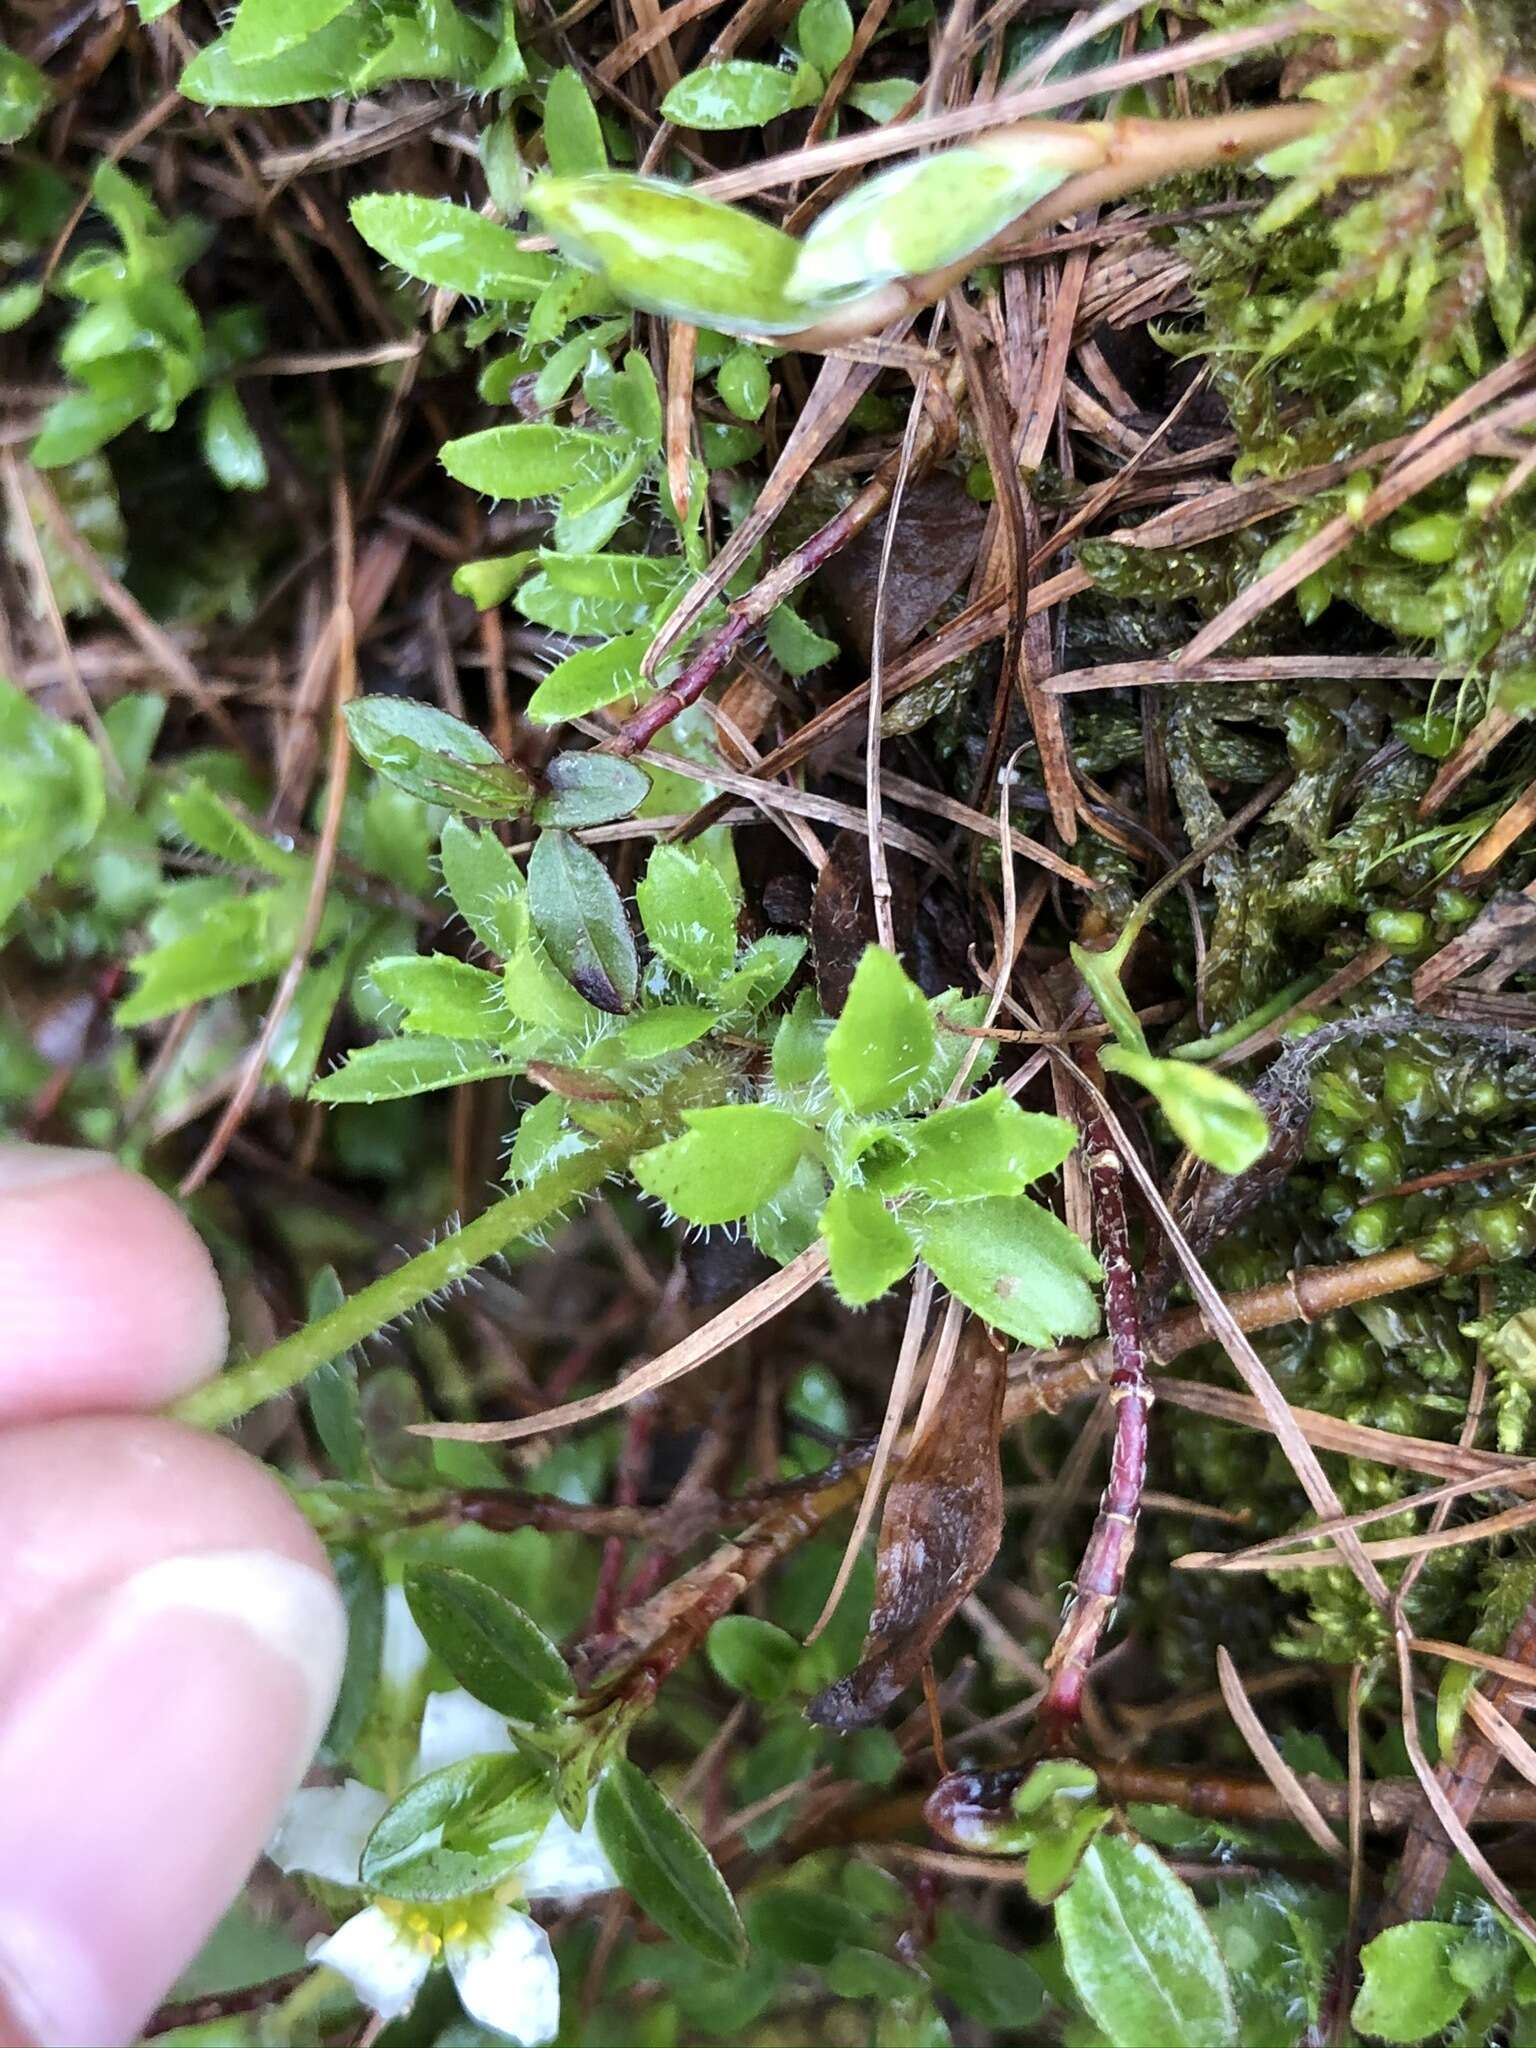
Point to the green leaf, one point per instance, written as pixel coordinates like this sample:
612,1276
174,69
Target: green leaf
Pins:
867,1248
752,1656
883,1043
83,421
440,759
629,397
590,789
664,1866
689,914
743,382
1015,1264
579,593
25,95
492,580
236,940
988,1146
590,678
52,794
538,993
265,28
202,816
505,70
573,135
362,1595
671,251
487,887
739,94
407,1066
450,246
532,460
581,920
795,646
763,971
18,302
729,1161
924,214
461,1830
323,65
988,1982
882,99
653,1034
1219,1121
1139,1953
824,29
1409,1990
332,1392
442,996
490,1645
804,1925
231,447
800,1044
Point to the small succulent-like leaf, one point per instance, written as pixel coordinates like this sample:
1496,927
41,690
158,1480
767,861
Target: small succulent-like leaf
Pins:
532,460
443,996
1015,1264
440,759
397,1067
883,1043
491,1647
728,1161
737,93
1410,1990
590,789
918,217
264,28
1139,1953
573,135
590,678
868,1250
988,1146
671,251
486,885
324,64
664,1866
581,921
689,914
231,447
824,29
450,246
1219,1121
461,1830
25,95
752,1656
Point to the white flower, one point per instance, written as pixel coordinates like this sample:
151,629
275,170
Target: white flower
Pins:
500,1960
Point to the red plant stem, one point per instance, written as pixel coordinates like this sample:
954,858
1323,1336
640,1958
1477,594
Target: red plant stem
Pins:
1108,1556
753,610
695,679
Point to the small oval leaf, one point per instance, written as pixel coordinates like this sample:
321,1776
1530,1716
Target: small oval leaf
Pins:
581,921
664,1866
490,1645
1139,1953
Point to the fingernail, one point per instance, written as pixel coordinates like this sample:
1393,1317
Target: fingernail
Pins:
151,1733
24,1167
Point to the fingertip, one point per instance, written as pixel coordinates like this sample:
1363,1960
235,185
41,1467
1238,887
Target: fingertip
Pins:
108,1297
172,1639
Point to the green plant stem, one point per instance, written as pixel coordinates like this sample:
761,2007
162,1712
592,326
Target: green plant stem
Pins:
1222,1041
361,1315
